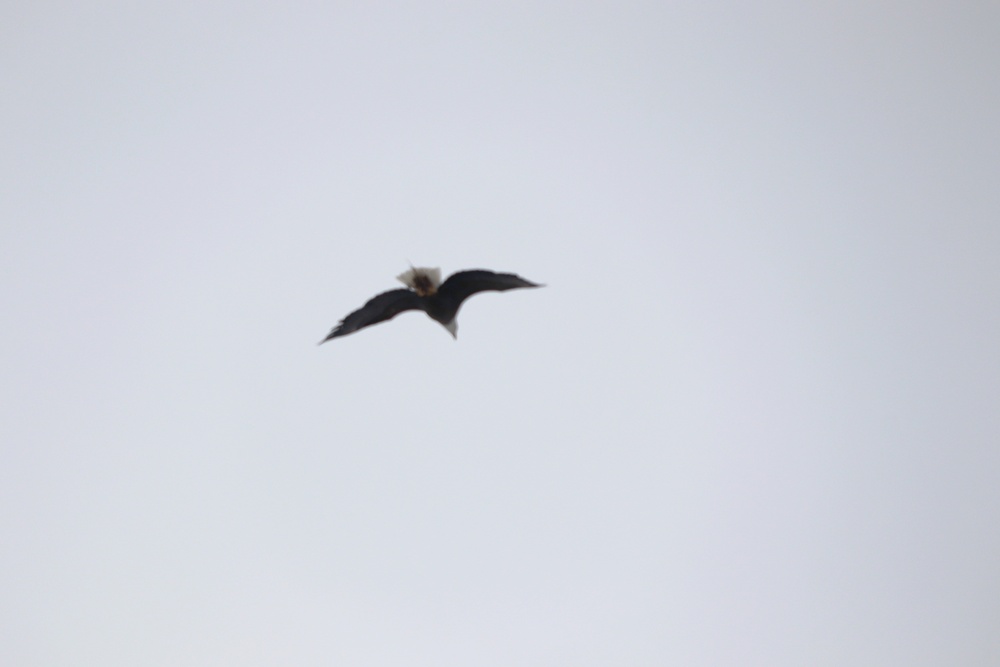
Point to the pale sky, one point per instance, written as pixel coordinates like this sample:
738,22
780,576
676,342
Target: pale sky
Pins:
753,419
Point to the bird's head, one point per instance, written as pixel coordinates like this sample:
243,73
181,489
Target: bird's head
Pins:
423,281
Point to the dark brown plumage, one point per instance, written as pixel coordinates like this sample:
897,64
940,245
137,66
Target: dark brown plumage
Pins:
426,292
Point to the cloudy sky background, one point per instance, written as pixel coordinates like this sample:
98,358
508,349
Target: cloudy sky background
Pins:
753,419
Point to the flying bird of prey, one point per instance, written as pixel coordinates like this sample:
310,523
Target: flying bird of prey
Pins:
426,292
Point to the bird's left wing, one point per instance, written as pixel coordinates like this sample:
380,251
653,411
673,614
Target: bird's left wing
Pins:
380,308
463,284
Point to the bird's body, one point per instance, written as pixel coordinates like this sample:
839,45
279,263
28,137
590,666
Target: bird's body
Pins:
426,292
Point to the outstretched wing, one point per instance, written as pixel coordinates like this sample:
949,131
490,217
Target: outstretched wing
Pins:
383,307
464,284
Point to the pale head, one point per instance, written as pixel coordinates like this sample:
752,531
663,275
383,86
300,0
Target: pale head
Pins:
423,281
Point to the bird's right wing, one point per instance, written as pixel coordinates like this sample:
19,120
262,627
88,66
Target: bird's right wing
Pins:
383,307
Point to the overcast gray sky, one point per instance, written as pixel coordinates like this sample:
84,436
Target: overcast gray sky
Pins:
753,419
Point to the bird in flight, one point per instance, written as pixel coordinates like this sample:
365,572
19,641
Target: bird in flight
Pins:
426,292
